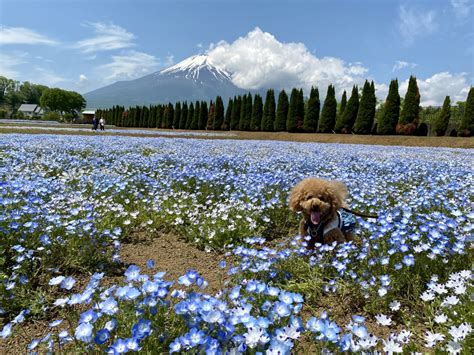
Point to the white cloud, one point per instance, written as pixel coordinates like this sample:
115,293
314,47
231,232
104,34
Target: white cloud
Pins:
107,37
47,77
21,35
259,60
461,8
169,60
434,89
129,65
413,24
7,65
400,64
82,78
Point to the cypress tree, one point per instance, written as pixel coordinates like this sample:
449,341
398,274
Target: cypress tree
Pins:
138,117
328,113
342,105
235,116
466,128
346,120
189,119
441,120
211,116
203,116
312,115
219,114
409,115
300,111
257,112
268,117
291,122
243,110
177,115
391,111
159,116
281,112
184,116
228,114
366,114
166,117
197,111
151,117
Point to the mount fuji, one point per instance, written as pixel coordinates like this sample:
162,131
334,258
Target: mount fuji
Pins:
195,78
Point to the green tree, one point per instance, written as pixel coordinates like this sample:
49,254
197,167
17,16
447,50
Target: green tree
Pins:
235,116
211,116
228,114
268,117
184,116
328,113
366,113
219,115
246,113
197,111
391,112
409,116
312,115
190,116
281,112
203,115
440,124
345,122
466,128
159,115
257,112
176,115
6,85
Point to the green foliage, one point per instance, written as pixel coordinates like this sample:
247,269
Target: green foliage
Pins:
441,122
257,112
342,104
189,119
365,116
3,113
176,115
268,117
219,114
51,116
345,121
235,116
467,124
228,114
295,119
184,116
388,121
328,114
62,100
409,116
312,115
197,111
246,113
203,115
211,116
281,112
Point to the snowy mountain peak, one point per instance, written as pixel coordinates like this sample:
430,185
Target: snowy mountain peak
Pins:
192,67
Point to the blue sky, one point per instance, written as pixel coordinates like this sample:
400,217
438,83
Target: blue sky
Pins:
83,45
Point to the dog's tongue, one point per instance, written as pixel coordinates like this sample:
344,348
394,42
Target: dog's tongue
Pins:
315,217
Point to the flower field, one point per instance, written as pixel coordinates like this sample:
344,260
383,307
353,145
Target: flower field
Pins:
69,203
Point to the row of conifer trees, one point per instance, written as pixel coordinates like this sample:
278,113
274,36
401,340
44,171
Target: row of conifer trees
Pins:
292,114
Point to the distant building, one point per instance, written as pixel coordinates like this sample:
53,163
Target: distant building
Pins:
31,110
88,115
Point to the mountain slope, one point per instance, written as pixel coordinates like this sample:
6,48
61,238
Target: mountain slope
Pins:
195,78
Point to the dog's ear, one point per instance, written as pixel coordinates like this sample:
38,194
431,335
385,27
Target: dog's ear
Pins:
295,197
340,192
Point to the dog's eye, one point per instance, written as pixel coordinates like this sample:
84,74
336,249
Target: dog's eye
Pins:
309,197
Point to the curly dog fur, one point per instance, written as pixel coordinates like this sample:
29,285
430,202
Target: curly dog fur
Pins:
319,200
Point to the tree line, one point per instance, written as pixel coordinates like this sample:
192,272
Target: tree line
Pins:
55,100
357,114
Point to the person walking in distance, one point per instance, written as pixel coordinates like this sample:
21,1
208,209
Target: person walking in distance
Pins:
94,123
102,124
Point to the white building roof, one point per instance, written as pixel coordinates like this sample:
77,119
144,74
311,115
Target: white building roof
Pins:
28,107
89,112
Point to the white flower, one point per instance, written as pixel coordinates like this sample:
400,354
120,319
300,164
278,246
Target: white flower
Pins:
427,296
438,288
432,338
441,318
453,347
404,336
252,337
450,301
459,333
383,320
394,305
460,289
391,346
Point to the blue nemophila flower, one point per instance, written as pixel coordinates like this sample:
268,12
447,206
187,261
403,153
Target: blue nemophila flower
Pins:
150,264
88,317
68,283
119,347
109,306
6,331
84,332
408,260
133,344
102,336
56,280
141,329
55,323
132,273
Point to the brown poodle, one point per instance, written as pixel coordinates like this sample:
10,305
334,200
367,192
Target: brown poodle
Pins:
319,201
